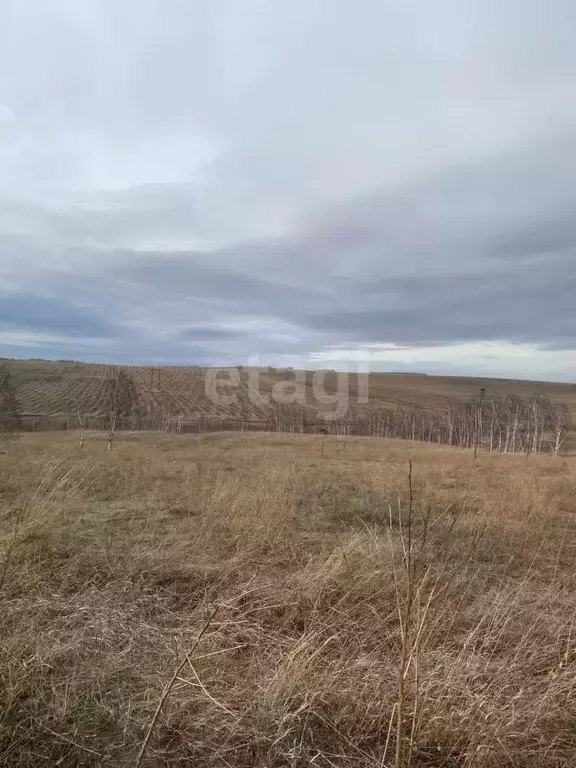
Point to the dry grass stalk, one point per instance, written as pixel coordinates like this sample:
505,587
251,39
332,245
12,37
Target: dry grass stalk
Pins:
187,660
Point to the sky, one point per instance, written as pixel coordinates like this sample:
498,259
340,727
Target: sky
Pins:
315,183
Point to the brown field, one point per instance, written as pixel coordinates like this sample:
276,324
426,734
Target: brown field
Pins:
330,595
48,392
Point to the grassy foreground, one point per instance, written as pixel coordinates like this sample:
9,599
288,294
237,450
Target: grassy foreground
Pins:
346,619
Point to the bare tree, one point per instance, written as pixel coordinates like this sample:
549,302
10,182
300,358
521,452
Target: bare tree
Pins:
10,420
490,422
82,420
560,423
121,403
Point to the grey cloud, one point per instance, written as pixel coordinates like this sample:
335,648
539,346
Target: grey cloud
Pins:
28,311
541,239
447,279
210,333
189,276
204,182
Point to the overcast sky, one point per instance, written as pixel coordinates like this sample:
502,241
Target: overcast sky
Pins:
312,183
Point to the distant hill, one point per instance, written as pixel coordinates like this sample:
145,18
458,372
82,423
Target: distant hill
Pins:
50,394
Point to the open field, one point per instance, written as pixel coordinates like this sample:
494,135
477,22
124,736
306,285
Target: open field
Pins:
49,389
315,575
50,395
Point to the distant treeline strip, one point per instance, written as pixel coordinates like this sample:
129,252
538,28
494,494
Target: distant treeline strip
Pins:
505,424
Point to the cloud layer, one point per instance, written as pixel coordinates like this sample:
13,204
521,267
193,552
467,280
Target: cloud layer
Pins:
301,183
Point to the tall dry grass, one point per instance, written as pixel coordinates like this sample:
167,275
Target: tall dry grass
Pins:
349,620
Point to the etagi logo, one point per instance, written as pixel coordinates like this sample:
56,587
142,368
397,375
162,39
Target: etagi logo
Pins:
330,393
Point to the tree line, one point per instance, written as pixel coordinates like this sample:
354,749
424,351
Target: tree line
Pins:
504,424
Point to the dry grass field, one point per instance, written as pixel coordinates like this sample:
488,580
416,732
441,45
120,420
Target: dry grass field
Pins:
281,601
